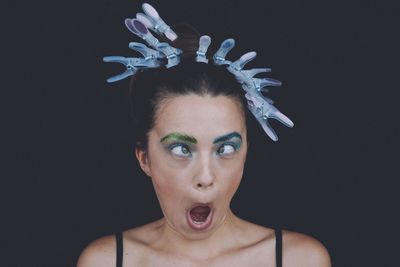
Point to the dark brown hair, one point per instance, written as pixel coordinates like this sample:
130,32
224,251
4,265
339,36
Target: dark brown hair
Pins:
151,86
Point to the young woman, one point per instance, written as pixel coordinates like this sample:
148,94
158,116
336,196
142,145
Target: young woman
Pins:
192,143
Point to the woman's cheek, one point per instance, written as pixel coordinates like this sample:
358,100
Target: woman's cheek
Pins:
168,186
234,175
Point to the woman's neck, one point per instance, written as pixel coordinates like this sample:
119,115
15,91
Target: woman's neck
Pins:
204,245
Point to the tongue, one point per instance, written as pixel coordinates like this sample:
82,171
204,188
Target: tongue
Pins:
199,213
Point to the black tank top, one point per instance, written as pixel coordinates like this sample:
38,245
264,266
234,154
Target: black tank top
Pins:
278,248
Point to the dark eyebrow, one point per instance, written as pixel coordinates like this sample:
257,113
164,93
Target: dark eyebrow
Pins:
227,137
179,137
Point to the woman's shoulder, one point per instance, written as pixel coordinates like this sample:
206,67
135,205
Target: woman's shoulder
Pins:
299,249
99,253
102,252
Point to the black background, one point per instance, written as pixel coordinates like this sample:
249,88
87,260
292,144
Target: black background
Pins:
71,176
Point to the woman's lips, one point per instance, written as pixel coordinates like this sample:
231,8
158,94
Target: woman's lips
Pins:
200,216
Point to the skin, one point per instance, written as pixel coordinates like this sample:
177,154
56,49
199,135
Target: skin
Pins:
189,163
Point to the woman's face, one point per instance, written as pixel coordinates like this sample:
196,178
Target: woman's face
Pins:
196,155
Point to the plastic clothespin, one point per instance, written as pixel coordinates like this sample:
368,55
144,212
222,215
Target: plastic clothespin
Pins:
130,63
263,110
219,56
147,52
259,84
153,21
204,43
243,60
171,53
137,27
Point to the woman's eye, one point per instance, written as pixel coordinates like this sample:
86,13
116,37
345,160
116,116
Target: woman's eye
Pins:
226,149
180,150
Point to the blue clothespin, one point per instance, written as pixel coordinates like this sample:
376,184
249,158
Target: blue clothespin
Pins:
204,43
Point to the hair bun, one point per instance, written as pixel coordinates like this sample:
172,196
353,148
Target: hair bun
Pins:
188,39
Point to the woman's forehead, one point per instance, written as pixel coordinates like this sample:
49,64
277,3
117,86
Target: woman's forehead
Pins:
196,115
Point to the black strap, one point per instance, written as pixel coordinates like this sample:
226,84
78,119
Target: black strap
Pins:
278,247
118,237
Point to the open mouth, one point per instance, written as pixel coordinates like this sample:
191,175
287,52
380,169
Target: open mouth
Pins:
199,216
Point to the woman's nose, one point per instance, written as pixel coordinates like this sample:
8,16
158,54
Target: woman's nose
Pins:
204,177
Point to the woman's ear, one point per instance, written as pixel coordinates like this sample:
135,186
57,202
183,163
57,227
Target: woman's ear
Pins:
142,157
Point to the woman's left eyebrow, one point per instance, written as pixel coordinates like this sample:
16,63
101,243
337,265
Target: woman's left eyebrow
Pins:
227,137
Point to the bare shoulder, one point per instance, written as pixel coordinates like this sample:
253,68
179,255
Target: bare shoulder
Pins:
102,251
302,250
99,253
